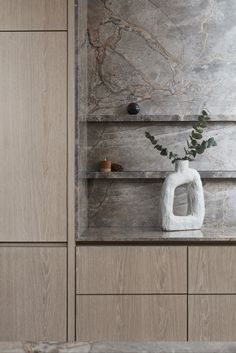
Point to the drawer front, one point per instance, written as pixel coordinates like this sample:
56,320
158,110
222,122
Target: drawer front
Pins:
131,317
212,269
33,293
131,270
212,317
28,15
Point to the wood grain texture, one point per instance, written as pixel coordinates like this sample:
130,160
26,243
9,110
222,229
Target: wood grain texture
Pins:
71,171
131,269
33,15
212,269
33,141
212,318
132,317
33,294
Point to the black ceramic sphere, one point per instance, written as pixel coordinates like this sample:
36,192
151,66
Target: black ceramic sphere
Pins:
133,108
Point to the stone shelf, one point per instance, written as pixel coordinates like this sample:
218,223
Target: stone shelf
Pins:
157,175
146,235
152,118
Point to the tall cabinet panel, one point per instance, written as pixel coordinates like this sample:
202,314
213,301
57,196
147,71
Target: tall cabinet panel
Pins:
34,169
32,293
33,125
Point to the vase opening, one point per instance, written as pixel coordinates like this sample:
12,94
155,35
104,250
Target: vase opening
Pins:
181,206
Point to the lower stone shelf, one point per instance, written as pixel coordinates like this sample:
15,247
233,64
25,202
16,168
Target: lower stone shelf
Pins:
154,235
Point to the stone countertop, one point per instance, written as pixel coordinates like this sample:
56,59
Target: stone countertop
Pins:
152,235
119,347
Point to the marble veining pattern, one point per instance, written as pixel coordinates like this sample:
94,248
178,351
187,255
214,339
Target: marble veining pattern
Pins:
174,56
119,347
136,203
125,143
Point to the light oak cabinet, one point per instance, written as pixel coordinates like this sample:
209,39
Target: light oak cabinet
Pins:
131,293
131,317
143,293
212,293
33,143
131,269
37,123
212,317
33,293
33,15
212,269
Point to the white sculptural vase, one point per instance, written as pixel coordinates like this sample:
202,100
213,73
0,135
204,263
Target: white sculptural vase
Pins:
195,195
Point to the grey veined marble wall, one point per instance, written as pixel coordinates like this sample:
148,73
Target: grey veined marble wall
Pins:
174,56
125,143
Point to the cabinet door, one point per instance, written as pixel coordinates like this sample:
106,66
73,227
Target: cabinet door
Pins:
212,269
33,15
32,293
131,269
33,125
212,317
132,317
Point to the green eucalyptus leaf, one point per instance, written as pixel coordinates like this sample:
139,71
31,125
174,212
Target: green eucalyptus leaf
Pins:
201,148
197,127
151,138
204,112
194,153
158,147
196,135
164,152
211,142
194,142
203,124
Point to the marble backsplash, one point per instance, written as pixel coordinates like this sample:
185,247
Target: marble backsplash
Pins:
126,144
135,203
173,56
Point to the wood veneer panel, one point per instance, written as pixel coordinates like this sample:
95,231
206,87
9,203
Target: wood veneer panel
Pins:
131,269
33,143
132,317
212,269
33,15
212,317
71,171
33,294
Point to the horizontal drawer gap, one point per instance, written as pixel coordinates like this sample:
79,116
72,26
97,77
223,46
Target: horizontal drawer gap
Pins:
194,294
120,294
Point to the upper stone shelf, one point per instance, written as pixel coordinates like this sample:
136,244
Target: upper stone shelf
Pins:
152,118
157,175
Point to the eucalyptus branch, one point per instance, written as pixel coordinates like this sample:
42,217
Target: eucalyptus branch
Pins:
195,144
